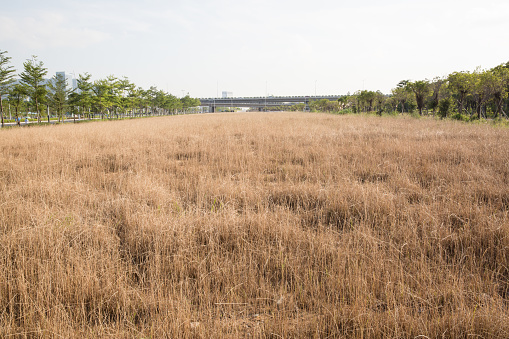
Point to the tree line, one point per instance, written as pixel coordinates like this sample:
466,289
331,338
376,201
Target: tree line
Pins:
461,95
107,98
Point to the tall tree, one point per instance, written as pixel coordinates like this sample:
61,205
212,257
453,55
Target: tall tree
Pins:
500,89
73,101
435,90
104,91
33,77
151,94
114,95
144,100
380,100
84,93
172,103
343,101
460,84
188,102
134,95
17,96
444,107
354,102
481,87
58,94
126,90
420,89
160,98
401,96
6,79
367,97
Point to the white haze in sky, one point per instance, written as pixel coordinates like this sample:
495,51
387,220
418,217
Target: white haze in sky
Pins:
252,48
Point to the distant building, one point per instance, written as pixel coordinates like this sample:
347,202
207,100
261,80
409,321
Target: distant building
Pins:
227,94
71,81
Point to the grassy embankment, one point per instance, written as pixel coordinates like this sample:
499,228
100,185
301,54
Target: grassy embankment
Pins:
273,225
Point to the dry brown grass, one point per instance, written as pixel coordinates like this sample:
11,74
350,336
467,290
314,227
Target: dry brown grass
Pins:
260,225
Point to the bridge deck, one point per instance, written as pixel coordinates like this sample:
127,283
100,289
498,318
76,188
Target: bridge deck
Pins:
263,101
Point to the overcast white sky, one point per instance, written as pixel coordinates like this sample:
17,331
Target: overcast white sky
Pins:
284,47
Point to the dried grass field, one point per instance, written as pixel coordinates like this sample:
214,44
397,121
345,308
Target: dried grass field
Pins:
261,225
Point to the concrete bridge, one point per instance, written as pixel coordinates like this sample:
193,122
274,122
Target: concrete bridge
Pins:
263,102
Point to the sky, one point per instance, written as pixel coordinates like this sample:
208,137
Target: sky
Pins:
255,48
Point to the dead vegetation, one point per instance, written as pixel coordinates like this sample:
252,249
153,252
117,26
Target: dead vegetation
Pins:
255,225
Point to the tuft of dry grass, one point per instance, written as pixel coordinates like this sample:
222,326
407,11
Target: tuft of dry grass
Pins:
262,225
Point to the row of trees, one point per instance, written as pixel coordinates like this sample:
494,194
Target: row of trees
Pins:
477,94
108,98
322,105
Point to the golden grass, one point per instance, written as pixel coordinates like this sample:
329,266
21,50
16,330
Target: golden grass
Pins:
262,225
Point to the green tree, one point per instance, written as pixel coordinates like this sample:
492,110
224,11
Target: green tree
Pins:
84,93
354,102
135,98
380,99
188,102
33,77
500,88
126,91
17,96
480,82
160,100
298,107
401,96
435,92
144,100
173,104
6,80
58,95
151,96
332,106
318,105
444,106
366,100
403,84
460,84
73,101
115,95
420,89
343,101
104,95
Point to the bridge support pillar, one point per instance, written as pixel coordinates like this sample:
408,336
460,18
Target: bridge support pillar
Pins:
306,106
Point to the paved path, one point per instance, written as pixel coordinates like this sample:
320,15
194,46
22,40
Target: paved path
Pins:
23,123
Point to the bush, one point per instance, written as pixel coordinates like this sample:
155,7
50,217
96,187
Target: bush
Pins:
345,111
461,117
444,107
